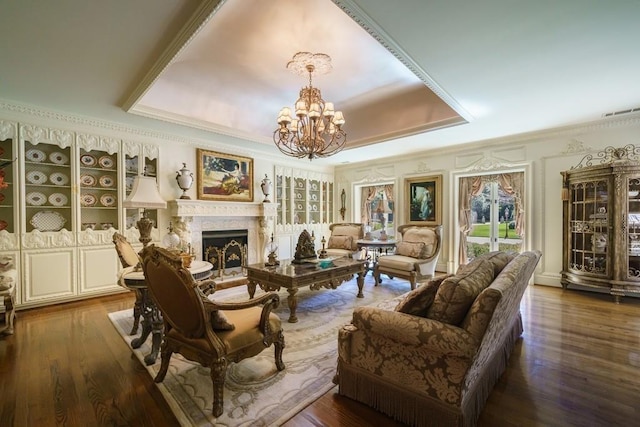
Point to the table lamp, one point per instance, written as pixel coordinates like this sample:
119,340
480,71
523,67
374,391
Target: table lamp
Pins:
144,195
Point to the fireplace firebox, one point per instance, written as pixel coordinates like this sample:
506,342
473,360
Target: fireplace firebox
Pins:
226,250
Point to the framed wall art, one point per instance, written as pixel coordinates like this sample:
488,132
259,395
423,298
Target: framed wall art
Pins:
224,177
423,196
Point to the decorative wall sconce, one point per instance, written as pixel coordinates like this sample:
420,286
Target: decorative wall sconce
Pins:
343,201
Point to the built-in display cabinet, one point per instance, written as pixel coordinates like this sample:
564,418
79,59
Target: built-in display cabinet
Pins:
601,243
61,205
305,201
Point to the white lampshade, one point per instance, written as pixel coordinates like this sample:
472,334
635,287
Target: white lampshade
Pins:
145,194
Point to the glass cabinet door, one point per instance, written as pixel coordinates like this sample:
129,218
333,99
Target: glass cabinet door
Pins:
131,170
315,201
47,196
300,201
589,238
7,186
98,190
633,238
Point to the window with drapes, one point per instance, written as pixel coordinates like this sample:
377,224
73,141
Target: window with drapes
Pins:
377,209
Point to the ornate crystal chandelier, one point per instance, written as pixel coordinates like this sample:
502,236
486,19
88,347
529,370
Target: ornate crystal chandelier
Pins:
316,130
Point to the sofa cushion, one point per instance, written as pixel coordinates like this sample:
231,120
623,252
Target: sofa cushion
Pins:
348,230
498,259
418,301
456,294
397,262
340,242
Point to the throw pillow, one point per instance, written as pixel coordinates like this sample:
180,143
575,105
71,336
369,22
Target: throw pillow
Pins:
340,242
456,294
418,301
219,322
411,249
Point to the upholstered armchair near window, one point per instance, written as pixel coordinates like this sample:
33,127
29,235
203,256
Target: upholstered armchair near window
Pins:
343,239
211,333
416,255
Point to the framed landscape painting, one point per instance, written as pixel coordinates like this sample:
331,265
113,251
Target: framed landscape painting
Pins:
224,177
424,200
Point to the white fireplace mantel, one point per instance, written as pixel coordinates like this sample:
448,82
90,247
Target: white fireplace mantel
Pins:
192,208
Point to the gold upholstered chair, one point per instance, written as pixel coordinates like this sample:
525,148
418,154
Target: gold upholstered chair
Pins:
415,257
211,333
129,259
343,239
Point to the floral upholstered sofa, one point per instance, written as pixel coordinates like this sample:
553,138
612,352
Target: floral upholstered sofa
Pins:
434,359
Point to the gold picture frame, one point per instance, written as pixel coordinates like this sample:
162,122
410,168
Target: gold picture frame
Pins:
224,177
423,197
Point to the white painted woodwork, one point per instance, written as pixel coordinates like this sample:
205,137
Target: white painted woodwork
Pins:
98,270
49,275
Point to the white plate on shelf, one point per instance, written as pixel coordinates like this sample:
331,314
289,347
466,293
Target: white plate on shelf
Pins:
106,162
88,200
129,182
36,177
107,200
58,158
36,198
131,221
87,180
48,221
106,181
58,199
131,165
88,160
35,155
58,178
150,169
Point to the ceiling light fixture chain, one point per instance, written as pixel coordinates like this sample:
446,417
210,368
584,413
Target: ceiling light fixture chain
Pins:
316,130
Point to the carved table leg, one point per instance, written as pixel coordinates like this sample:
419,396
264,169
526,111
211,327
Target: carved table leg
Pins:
361,283
251,287
292,300
146,320
156,335
137,312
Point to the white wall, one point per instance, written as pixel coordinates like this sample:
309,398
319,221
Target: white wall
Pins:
542,156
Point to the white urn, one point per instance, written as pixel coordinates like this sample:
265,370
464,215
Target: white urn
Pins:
184,178
265,186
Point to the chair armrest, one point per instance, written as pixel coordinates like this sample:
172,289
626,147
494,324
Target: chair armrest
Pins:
207,286
432,335
270,298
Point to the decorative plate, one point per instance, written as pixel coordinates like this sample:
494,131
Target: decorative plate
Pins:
36,198
3,224
58,199
131,221
129,183
106,225
34,155
87,180
106,181
58,158
88,200
106,162
88,160
58,178
131,165
36,177
107,200
48,221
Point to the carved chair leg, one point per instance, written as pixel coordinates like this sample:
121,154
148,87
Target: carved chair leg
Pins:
165,358
279,347
376,276
412,280
218,373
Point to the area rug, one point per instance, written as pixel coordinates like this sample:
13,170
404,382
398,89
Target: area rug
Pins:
255,393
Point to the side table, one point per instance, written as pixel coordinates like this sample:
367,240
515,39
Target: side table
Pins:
151,316
375,248
7,301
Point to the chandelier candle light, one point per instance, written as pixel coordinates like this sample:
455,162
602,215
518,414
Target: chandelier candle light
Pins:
316,130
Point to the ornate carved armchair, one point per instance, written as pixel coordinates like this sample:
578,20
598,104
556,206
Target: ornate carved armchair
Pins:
343,239
415,257
208,332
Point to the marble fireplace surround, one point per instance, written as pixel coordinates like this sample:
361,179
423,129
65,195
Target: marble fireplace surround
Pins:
191,217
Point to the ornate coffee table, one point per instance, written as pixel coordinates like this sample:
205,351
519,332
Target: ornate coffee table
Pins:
294,276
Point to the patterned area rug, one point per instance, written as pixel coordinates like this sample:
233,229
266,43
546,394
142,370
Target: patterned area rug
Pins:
256,394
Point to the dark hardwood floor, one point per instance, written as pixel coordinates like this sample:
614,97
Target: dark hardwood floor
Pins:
578,364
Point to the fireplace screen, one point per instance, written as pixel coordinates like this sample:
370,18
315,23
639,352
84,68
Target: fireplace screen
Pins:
226,250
